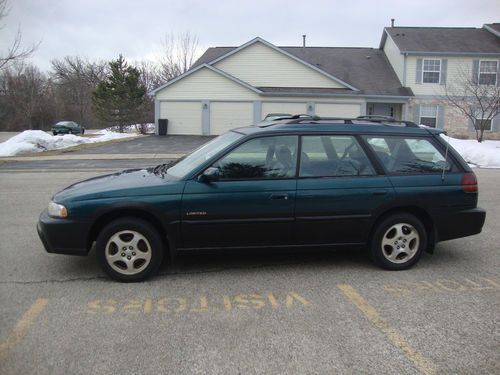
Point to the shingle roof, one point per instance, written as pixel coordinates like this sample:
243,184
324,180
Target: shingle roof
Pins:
493,28
364,68
444,39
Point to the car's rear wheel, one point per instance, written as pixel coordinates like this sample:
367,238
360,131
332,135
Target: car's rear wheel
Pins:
129,249
54,132
398,242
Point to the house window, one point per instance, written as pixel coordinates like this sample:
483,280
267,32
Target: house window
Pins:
482,117
488,72
428,115
431,71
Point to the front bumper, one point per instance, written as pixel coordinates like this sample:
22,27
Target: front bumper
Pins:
63,236
460,223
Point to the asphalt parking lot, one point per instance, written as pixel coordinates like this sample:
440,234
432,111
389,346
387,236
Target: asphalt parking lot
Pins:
100,157
293,313
151,144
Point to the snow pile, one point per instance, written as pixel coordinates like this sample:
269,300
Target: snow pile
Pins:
485,154
148,128
37,140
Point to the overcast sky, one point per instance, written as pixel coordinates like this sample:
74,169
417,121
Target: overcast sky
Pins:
102,29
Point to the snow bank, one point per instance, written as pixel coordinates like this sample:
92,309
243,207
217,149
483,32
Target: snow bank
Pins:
149,128
485,154
37,140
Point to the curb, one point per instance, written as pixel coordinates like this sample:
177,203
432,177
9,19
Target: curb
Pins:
92,157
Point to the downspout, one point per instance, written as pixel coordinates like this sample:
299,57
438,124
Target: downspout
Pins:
157,113
405,106
404,69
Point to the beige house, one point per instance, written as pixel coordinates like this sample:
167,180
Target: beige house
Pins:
432,61
237,86
230,87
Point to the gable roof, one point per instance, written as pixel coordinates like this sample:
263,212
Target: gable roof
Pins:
367,69
215,70
284,52
443,40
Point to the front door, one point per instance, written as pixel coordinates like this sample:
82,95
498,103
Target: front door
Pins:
252,201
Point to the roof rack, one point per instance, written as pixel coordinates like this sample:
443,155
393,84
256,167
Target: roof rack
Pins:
376,117
383,120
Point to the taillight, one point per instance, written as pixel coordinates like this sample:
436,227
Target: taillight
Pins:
469,182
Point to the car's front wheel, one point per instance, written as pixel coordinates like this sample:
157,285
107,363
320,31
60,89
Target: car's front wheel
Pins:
398,242
54,132
129,249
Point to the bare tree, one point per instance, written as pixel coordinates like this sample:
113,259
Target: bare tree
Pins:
15,52
477,98
179,53
75,79
26,99
151,76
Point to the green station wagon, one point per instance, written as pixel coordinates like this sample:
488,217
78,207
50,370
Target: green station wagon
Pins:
393,187
67,127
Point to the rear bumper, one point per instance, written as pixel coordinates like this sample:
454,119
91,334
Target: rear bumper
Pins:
460,224
63,236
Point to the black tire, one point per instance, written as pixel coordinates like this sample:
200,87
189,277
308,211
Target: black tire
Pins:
55,133
398,242
150,243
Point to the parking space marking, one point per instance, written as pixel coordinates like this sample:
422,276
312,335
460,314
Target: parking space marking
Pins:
200,304
23,325
448,286
422,363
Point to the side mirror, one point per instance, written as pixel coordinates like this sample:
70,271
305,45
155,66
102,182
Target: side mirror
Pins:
209,175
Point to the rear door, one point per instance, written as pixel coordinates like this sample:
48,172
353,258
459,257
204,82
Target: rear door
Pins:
338,191
251,204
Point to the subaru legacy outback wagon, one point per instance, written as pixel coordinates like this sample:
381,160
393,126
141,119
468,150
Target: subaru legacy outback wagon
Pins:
300,181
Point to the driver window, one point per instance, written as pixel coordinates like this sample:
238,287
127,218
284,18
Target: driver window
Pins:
333,156
260,158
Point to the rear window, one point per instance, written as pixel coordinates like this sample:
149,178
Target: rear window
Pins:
403,155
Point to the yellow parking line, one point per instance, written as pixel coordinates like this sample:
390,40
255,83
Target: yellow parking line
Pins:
23,324
422,363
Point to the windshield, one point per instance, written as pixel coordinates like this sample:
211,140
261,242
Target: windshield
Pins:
200,155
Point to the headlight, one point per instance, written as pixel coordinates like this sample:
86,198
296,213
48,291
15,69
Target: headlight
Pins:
57,210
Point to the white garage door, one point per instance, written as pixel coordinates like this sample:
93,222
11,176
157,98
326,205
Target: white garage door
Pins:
226,115
338,110
183,117
291,108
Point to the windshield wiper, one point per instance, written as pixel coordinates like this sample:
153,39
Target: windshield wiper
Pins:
161,169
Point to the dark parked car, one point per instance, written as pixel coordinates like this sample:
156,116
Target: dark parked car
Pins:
394,187
67,127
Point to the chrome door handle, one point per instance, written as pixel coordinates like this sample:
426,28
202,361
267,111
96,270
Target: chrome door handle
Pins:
279,197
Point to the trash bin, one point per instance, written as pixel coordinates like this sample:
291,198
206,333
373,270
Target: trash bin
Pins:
162,126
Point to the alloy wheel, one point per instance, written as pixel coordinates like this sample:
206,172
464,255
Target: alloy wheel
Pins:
128,252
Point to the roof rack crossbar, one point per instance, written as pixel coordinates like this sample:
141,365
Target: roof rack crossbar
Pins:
297,119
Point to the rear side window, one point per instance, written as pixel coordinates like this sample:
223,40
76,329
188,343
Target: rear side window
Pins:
333,156
402,155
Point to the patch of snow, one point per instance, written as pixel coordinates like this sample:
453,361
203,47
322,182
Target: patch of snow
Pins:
484,155
134,128
31,141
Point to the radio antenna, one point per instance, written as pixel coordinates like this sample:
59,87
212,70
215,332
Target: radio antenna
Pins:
445,156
